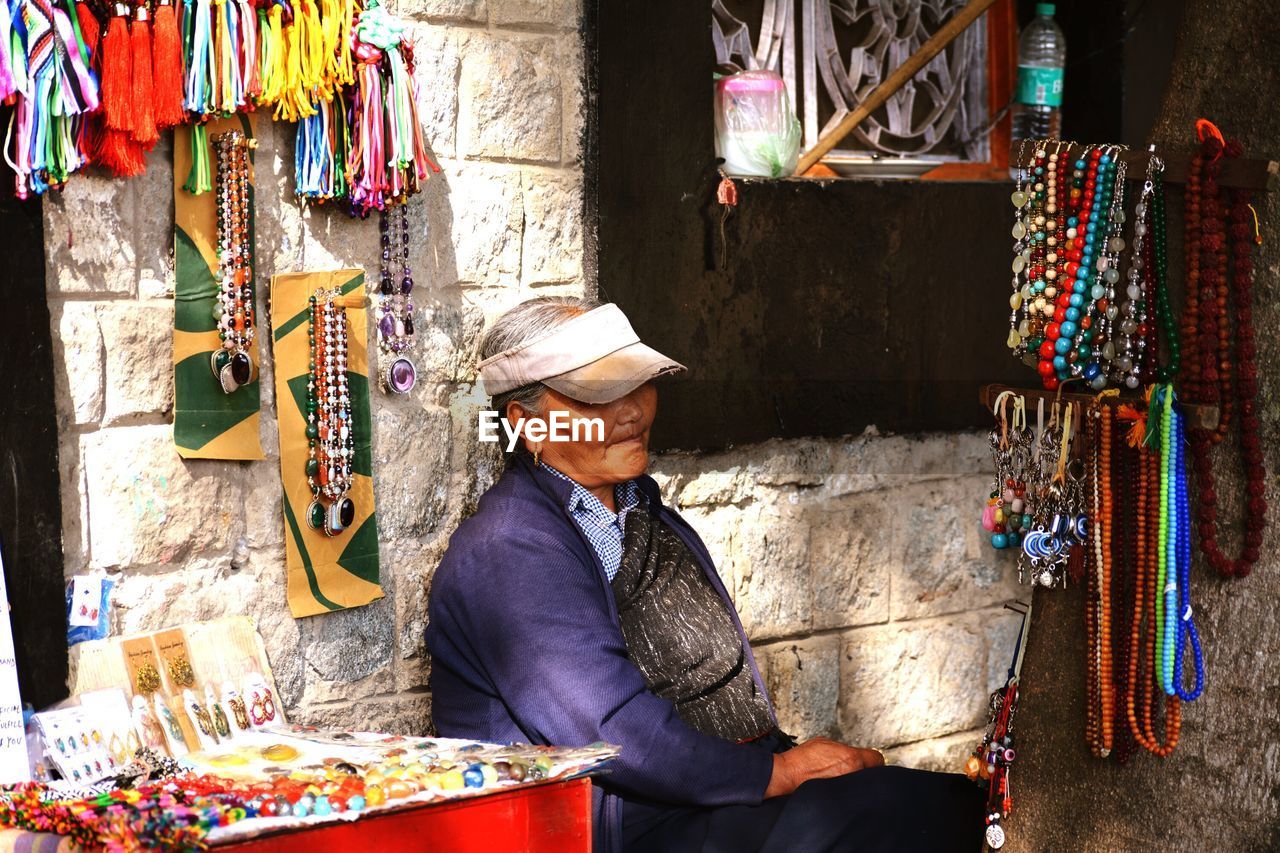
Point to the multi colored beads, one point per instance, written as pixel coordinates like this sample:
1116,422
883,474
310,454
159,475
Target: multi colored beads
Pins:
1073,314
232,364
394,303
330,427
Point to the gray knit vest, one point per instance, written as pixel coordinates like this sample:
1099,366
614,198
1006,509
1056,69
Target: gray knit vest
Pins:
681,636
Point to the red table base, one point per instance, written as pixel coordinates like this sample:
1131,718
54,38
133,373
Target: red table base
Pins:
550,818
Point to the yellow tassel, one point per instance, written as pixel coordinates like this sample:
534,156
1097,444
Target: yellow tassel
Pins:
346,66
331,28
287,108
314,61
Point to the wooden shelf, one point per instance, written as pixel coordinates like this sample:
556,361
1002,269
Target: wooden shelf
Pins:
1198,417
1243,172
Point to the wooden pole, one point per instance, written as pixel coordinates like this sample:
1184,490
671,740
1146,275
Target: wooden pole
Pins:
895,81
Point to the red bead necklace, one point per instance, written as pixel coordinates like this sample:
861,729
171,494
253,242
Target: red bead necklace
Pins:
1217,294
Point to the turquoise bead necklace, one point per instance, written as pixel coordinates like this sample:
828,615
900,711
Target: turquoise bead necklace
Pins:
1108,199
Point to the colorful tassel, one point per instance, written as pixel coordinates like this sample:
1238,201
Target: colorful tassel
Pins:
119,153
166,65
198,49
116,71
199,179
144,118
250,78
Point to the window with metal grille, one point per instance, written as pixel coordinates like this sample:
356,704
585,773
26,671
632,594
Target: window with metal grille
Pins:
948,121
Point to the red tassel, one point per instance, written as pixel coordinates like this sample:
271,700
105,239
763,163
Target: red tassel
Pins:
90,29
144,116
118,152
90,140
166,62
116,72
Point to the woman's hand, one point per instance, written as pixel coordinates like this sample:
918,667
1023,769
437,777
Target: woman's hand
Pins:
819,758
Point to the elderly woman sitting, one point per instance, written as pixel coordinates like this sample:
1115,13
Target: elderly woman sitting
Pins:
574,606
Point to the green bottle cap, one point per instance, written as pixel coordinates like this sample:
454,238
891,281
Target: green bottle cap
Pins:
1045,9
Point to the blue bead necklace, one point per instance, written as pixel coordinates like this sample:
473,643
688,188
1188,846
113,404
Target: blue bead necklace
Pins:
1187,628
1174,621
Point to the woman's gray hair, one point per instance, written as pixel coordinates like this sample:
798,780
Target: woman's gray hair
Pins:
525,322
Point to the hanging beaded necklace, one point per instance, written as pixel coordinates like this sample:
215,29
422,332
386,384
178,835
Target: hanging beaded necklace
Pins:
1095,177
1124,555
330,436
232,364
1127,350
1215,357
1103,292
1020,321
991,762
1185,632
1140,693
1159,259
1100,717
395,304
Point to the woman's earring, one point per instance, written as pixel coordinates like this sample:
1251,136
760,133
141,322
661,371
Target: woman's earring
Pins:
536,453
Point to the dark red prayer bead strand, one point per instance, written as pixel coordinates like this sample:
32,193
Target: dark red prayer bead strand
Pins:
1243,394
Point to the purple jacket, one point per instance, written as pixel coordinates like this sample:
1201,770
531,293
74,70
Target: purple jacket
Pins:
526,647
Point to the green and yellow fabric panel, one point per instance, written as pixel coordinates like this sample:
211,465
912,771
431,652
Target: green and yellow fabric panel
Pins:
207,423
324,573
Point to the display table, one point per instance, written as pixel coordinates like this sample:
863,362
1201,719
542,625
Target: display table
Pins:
551,817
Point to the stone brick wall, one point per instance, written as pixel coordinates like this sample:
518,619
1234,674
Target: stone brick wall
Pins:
856,563
863,581
501,100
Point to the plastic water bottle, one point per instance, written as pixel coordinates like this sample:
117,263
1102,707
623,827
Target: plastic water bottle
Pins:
1042,53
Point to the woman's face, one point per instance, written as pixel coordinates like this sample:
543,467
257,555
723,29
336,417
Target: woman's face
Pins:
622,455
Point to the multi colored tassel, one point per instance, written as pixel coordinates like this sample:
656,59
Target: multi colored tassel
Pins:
387,157
47,66
88,92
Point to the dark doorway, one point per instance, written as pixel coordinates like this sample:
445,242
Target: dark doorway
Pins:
30,507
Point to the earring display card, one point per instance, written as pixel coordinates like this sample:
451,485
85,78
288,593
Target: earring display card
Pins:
143,665
207,422
222,651
74,743
325,572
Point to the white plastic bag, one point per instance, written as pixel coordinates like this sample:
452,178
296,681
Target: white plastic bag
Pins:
757,133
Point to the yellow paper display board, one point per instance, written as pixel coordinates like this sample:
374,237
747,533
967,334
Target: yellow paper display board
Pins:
207,423
325,573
